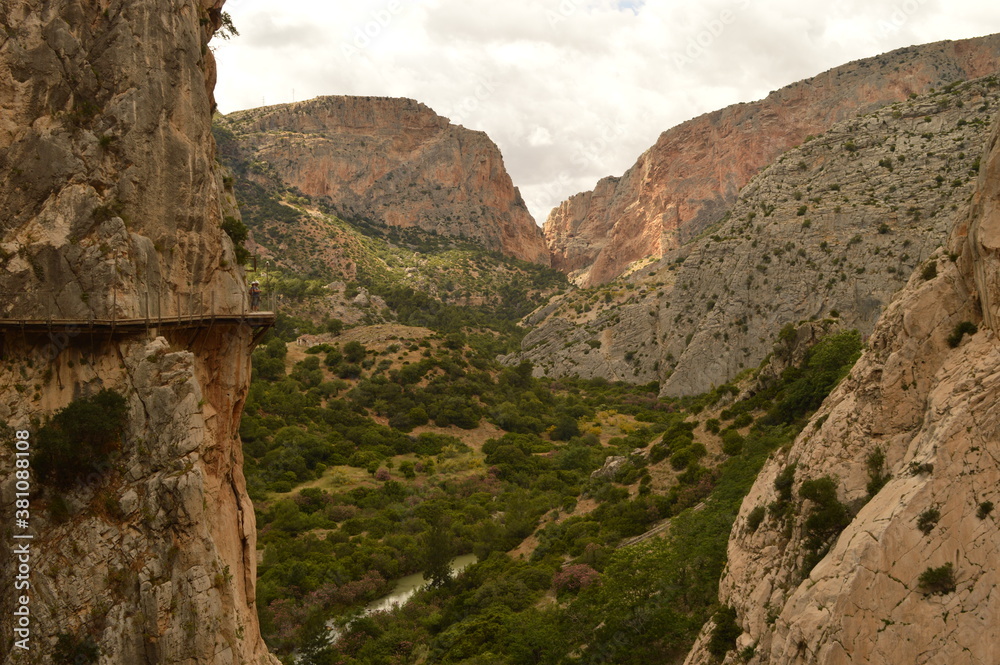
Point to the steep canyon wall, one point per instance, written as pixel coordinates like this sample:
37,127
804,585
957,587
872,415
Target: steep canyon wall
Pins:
111,205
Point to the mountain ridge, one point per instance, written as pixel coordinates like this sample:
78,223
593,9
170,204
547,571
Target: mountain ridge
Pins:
694,171
830,229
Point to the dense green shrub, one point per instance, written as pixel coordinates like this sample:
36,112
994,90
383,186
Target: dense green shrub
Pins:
354,352
237,232
928,519
732,442
961,330
784,482
681,459
725,632
877,474
756,517
940,580
826,518
565,429
825,364
80,439
349,371
73,650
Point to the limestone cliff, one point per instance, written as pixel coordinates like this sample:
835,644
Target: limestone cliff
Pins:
927,398
694,172
833,228
111,206
392,161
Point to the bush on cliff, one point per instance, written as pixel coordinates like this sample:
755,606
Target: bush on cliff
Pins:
79,439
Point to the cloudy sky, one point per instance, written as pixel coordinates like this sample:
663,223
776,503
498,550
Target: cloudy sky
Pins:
571,90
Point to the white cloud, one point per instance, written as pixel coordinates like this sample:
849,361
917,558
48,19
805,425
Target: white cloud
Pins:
571,90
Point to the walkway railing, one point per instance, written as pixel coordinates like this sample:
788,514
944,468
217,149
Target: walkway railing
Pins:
193,310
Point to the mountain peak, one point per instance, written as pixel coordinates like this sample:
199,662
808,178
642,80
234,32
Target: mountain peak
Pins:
393,161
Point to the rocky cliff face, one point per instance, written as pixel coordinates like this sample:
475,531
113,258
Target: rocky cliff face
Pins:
830,230
112,204
693,174
392,161
930,405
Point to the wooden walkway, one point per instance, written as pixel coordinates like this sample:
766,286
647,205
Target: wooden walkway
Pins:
126,325
260,322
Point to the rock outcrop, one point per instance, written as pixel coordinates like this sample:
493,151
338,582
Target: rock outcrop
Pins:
111,207
926,398
694,172
832,229
392,161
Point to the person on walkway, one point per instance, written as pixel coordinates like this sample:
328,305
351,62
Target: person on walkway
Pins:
254,296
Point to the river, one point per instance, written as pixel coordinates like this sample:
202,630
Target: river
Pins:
401,593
